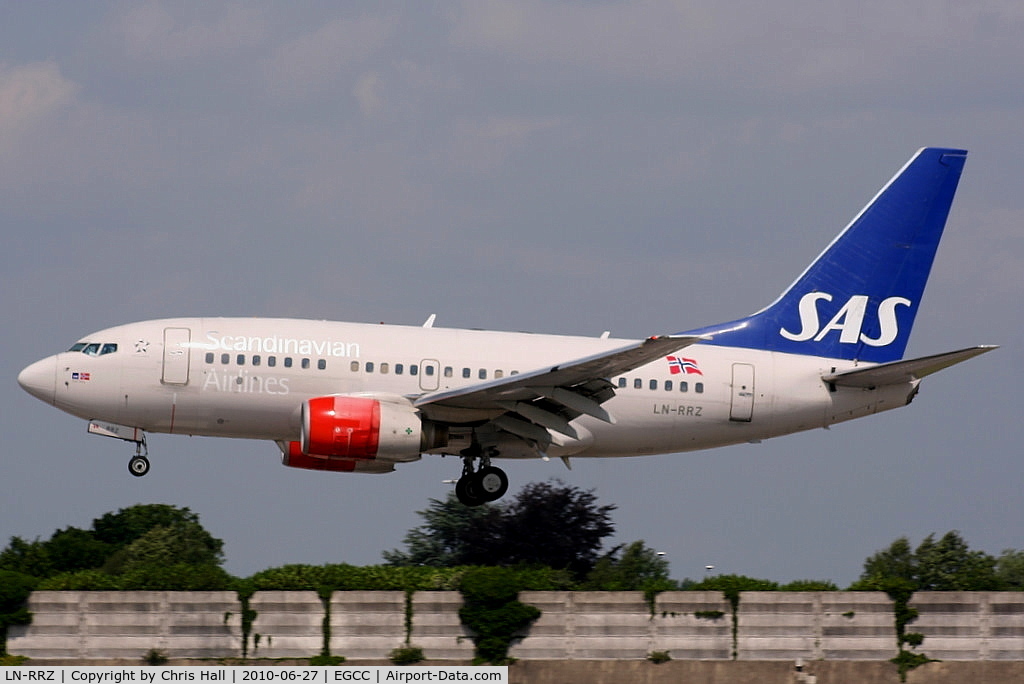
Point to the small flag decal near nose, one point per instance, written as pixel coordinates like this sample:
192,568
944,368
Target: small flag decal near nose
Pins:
677,365
85,376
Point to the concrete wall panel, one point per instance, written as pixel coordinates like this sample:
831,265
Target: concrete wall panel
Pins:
436,626
290,624
367,624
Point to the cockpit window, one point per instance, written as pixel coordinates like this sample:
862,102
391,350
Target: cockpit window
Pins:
94,348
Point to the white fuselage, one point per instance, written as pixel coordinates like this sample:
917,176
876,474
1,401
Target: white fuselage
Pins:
247,378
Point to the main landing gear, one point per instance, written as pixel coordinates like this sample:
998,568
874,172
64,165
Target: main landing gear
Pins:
477,487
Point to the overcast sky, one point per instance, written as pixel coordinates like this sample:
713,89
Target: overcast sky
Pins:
567,167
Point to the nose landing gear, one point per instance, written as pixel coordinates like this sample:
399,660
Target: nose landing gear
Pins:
138,465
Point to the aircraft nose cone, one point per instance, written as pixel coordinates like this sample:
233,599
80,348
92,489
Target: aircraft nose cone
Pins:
40,379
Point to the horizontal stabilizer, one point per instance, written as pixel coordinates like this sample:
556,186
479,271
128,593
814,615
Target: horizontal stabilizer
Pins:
899,372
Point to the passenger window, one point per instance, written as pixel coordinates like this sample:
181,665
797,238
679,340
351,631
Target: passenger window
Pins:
684,386
209,357
225,359
271,361
482,374
622,383
414,369
653,384
384,368
369,366
668,385
399,369
698,387
240,360
447,371
354,366
465,372
108,348
638,383
321,364
499,374
287,362
305,363
256,359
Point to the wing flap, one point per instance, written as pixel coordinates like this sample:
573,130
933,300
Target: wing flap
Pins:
899,372
537,406
486,395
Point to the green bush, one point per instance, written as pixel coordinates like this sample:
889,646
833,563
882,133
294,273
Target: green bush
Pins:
179,577
15,589
492,612
344,577
406,655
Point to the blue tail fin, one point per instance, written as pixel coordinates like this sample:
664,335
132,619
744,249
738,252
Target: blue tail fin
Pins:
859,298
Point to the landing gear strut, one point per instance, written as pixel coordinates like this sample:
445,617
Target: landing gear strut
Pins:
477,487
139,464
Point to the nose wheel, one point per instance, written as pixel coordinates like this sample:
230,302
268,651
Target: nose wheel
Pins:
138,465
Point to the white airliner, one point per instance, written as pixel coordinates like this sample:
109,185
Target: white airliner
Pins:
356,397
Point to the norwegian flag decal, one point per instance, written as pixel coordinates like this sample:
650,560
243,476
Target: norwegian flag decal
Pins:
677,365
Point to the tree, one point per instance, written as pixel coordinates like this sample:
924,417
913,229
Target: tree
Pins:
550,524
944,565
73,549
28,558
554,524
949,565
638,568
897,561
181,539
451,535
1010,570
128,524
182,543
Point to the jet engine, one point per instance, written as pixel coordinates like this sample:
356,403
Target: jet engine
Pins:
343,433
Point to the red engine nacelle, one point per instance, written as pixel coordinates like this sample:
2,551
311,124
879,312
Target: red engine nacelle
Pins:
347,427
294,458
360,434
362,428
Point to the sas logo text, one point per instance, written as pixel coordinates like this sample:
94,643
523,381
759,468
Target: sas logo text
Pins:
848,321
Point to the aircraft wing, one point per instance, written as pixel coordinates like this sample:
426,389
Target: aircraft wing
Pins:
898,372
530,403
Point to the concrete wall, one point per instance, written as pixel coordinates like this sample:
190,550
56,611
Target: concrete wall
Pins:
619,625
781,626
963,625
290,624
127,624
